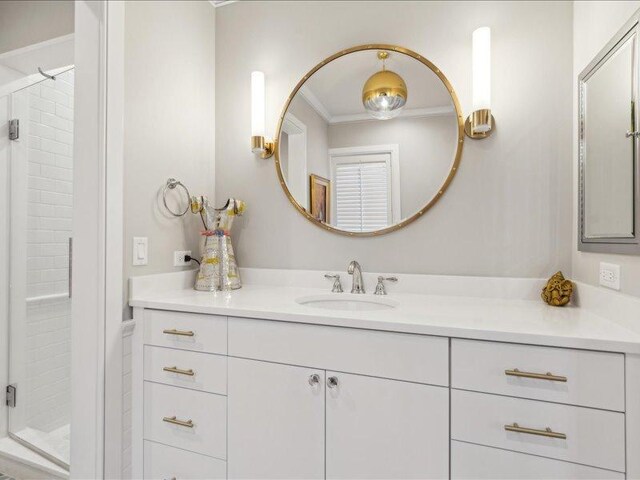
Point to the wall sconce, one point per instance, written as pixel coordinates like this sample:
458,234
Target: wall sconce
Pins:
480,123
259,144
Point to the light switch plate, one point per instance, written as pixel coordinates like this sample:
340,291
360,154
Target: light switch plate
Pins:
140,251
610,275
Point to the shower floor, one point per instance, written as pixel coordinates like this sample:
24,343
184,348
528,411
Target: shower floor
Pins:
55,444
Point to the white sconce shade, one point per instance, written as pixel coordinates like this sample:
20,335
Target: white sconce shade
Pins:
259,144
482,69
258,116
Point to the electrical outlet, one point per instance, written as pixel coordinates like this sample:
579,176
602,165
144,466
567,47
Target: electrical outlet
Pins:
178,258
610,275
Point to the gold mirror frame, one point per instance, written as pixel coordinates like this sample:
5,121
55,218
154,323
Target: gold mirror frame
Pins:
452,171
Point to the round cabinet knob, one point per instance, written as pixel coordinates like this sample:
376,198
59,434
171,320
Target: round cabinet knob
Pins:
314,379
332,382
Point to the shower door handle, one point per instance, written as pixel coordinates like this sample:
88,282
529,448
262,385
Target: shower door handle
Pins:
70,275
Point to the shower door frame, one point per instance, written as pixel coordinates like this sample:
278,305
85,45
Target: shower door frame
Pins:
4,260
17,173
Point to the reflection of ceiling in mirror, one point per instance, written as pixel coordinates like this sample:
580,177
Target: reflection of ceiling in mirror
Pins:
335,91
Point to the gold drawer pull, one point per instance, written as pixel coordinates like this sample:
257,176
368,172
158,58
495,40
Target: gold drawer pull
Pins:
189,372
175,421
539,376
547,432
182,333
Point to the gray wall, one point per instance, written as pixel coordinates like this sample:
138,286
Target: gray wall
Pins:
169,118
317,136
24,23
594,24
507,212
426,145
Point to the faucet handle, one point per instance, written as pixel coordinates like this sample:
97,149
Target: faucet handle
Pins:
337,286
380,290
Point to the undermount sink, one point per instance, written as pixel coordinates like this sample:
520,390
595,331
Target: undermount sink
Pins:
347,302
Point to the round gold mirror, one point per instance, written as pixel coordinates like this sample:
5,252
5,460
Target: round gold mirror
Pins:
369,140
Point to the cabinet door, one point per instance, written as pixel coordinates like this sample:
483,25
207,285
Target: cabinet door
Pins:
378,428
276,421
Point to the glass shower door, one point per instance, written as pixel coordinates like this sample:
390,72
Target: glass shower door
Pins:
41,230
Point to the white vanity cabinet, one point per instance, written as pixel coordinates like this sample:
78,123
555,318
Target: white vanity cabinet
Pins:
227,397
380,428
288,421
534,406
297,422
277,419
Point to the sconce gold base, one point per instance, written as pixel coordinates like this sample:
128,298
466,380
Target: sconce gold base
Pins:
263,147
479,117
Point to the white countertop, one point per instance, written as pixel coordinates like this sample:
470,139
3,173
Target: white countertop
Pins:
519,321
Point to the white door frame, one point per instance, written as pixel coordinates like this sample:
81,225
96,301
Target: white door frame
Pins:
297,179
96,343
335,154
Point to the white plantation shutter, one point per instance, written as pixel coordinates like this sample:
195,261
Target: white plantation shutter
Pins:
362,193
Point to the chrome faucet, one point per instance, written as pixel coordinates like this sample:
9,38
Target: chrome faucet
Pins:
354,269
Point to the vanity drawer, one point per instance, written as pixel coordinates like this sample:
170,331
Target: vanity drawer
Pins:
593,437
207,412
593,379
401,356
199,371
186,331
475,462
163,463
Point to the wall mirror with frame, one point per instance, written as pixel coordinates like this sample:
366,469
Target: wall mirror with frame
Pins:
609,194
369,140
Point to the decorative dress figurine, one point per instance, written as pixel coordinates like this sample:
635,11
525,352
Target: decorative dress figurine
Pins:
218,267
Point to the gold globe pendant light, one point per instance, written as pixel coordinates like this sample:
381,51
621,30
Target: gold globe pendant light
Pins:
384,94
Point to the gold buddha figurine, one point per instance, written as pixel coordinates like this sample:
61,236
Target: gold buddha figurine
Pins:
557,292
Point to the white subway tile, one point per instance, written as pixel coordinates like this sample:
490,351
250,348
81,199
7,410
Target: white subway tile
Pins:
41,183
61,238
64,161
34,142
56,224
49,93
34,169
64,137
52,276
64,87
64,112
38,156
56,122
53,198
43,131
53,250
33,195
56,173
34,115
33,222
55,147
41,104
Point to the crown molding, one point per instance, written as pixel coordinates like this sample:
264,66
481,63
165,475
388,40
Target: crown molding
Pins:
221,3
407,113
315,103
